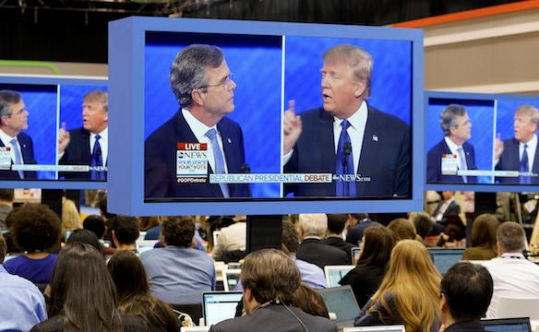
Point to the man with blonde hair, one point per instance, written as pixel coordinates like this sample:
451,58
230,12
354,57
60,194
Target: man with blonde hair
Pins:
312,227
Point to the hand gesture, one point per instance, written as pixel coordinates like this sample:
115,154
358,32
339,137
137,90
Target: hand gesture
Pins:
498,147
291,128
63,138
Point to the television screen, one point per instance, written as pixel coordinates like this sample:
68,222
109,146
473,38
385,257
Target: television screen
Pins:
242,116
45,128
481,142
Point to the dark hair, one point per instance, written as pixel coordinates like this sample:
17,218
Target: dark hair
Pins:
132,287
310,301
103,206
377,246
88,237
290,237
7,195
34,227
125,229
95,224
403,229
270,275
359,216
484,231
336,223
179,231
468,290
3,249
82,288
422,224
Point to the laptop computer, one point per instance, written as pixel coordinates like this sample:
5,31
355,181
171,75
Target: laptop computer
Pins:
355,253
231,279
334,273
145,245
219,306
507,324
444,258
341,302
388,328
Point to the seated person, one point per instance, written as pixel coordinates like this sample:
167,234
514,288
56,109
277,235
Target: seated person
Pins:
24,300
97,225
178,273
35,229
483,238
125,232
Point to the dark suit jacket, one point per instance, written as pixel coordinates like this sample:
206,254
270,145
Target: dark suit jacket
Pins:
275,318
468,326
510,161
452,210
77,152
434,164
27,151
339,243
160,160
385,155
314,251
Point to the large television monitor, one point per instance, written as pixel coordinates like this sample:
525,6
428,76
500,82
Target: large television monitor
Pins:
493,131
162,163
34,110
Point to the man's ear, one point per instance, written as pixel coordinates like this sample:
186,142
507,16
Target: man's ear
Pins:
443,303
360,88
196,95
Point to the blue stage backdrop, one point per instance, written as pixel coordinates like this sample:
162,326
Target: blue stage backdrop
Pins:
482,115
255,62
391,84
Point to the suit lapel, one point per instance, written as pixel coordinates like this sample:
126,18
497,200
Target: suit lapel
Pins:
326,142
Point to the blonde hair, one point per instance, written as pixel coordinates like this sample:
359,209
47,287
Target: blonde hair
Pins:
414,283
70,216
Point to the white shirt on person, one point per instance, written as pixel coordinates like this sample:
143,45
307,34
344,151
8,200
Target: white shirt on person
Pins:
513,276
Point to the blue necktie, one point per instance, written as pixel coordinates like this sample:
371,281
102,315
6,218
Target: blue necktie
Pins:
462,165
18,157
97,160
219,159
344,162
524,168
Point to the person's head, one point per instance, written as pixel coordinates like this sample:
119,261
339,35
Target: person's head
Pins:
95,224
456,124
147,223
466,290
3,249
346,79
422,223
7,195
525,123
95,111
128,275
378,241
34,227
511,238
403,229
70,216
312,225
125,230
290,237
414,282
88,237
13,113
448,195
102,204
201,80
268,275
178,231
336,223
310,301
484,231
354,218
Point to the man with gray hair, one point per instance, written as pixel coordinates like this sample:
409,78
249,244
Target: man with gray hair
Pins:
512,273
520,152
203,85
347,137
312,227
457,127
17,148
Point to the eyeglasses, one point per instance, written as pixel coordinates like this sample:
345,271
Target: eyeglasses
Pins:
225,83
18,113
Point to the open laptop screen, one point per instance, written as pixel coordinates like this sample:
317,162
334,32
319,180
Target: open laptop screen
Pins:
334,273
444,258
507,325
390,328
219,306
342,302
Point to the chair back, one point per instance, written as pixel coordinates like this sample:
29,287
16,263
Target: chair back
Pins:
510,307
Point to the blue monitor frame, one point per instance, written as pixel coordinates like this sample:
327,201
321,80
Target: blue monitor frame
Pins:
61,96
490,114
127,75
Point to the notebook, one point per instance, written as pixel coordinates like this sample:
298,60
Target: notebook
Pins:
219,306
507,325
334,273
444,258
341,302
231,279
388,328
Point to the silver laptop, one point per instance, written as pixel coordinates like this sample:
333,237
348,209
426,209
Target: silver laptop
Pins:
444,258
219,306
334,273
341,302
231,279
387,328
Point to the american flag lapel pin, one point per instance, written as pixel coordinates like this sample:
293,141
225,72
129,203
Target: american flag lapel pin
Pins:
229,140
374,138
